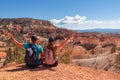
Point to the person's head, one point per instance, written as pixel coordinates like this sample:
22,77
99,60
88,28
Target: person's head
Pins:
34,39
51,40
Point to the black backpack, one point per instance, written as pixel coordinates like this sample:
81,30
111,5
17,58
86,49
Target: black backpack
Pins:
31,55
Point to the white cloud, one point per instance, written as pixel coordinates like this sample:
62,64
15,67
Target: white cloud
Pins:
66,20
115,21
73,20
55,21
81,22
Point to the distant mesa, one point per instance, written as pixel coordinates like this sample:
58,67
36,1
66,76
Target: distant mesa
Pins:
100,30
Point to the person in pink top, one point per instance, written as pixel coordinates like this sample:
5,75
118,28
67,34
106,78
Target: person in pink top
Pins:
50,49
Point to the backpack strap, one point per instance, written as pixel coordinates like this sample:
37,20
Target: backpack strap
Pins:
33,48
52,49
30,45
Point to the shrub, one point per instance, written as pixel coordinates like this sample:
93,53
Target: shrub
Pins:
113,49
59,37
108,44
15,55
9,56
118,61
88,46
92,51
65,58
19,55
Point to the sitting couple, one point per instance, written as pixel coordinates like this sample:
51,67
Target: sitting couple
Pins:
35,54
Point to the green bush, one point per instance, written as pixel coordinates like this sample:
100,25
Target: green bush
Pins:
118,61
19,55
9,56
65,58
15,55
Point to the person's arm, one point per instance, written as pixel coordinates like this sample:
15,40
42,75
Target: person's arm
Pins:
17,43
42,55
42,52
14,41
64,42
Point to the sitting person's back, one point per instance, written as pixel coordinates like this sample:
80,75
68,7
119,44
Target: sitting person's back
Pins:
49,51
33,51
50,57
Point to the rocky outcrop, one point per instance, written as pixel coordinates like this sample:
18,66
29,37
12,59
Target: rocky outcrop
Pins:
61,72
2,58
11,22
21,26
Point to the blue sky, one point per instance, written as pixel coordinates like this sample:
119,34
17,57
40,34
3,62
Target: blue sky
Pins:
71,14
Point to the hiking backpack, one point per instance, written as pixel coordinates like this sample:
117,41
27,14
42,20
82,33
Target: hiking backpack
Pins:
31,55
49,56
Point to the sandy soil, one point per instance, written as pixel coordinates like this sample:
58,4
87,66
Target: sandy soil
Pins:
61,72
